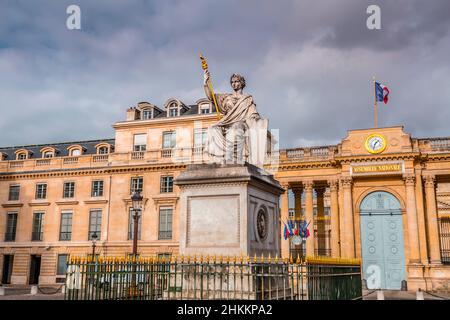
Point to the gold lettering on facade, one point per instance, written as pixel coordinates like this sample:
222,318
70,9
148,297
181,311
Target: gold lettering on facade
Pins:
377,168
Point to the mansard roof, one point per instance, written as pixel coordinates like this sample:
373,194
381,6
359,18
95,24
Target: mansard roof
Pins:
35,150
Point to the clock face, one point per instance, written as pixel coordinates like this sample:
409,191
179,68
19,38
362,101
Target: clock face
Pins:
375,143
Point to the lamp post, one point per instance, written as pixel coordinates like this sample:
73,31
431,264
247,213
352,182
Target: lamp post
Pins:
94,238
136,200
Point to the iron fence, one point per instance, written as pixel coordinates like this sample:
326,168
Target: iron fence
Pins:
206,278
444,235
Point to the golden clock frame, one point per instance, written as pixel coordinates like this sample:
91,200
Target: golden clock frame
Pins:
366,144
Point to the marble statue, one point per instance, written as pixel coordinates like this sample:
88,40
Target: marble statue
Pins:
241,134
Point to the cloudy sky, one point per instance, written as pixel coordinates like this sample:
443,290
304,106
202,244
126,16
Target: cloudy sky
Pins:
308,64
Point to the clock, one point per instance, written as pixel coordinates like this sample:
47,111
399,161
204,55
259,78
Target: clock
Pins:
375,143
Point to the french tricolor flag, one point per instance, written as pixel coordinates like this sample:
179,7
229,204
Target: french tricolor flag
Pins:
382,92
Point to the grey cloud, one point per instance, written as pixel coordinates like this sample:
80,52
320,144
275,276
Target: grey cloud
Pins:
308,64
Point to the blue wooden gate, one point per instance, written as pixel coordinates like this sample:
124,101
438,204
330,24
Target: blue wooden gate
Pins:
382,247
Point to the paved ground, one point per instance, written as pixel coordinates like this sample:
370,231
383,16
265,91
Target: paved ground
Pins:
403,295
23,293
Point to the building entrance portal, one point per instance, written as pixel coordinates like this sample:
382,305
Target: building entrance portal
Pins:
382,247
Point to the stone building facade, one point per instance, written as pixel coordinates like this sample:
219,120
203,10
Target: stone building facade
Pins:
55,197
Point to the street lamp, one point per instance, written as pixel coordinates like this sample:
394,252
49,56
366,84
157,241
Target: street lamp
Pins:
94,238
136,200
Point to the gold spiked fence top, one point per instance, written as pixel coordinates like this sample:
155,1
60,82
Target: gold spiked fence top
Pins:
200,259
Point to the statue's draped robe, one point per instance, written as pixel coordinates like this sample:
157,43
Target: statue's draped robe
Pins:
240,129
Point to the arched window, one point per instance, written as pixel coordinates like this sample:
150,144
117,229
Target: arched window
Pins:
22,154
75,150
103,150
48,152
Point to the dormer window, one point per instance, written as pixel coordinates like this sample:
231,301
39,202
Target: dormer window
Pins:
205,109
75,150
48,152
173,110
147,114
103,150
2,156
21,156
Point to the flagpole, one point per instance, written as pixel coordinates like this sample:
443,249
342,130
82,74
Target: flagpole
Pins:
375,104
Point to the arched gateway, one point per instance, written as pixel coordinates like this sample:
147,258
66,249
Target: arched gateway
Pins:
382,247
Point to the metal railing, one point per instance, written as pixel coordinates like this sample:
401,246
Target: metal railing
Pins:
444,235
206,278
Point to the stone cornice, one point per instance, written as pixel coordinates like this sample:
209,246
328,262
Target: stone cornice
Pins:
67,203
39,204
438,157
12,205
89,171
166,120
329,164
98,201
377,158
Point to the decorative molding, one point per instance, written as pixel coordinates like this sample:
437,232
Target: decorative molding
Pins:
346,182
12,205
95,201
430,181
38,204
308,185
67,203
333,183
165,200
409,179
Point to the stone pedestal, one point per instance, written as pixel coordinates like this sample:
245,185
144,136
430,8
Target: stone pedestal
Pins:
229,210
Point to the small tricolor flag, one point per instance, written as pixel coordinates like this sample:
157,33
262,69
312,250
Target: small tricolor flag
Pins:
382,92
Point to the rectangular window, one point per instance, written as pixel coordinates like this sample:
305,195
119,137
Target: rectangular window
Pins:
65,233
165,223
69,190
200,137
37,233
14,192
97,188
140,142
11,225
41,191
204,110
95,223
131,226
166,184
137,184
173,112
169,140
62,264
147,114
